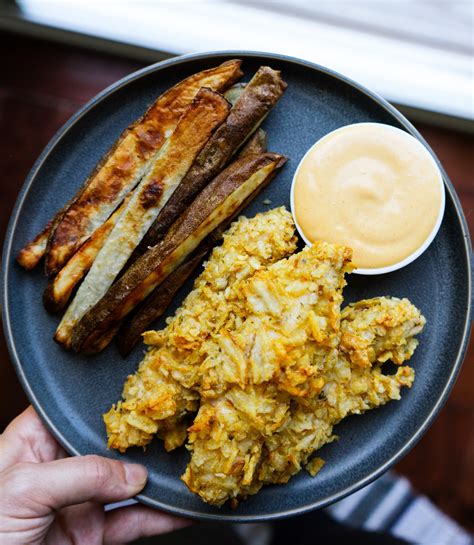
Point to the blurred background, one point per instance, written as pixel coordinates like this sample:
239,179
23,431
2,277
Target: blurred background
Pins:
56,55
417,54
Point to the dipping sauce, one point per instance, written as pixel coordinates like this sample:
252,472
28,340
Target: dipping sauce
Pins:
371,187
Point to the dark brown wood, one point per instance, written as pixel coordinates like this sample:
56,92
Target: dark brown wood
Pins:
43,84
441,465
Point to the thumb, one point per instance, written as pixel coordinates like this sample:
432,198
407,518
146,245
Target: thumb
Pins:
53,485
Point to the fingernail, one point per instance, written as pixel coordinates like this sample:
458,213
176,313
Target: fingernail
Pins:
135,475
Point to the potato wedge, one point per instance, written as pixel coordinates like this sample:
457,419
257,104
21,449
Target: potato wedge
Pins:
218,201
255,145
253,105
60,288
125,164
233,93
31,254
206,112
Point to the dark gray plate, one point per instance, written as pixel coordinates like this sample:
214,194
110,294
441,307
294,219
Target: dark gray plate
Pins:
72,392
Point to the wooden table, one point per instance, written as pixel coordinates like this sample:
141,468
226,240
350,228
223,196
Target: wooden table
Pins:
43,84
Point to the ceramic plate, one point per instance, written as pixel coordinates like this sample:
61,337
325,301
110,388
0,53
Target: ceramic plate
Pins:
71,392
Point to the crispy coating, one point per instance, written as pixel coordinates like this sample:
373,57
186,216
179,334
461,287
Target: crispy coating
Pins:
290,325
270,361
164,387
391,321
249,437
349,388
289,333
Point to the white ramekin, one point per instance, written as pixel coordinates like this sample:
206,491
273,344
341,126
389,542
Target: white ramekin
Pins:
409,259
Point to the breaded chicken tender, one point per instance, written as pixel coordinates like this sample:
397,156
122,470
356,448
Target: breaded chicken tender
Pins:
279,352
380,329
246,438
261,349
385,328
290,325
163,390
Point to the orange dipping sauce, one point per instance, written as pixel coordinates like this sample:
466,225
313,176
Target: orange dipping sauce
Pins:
371,187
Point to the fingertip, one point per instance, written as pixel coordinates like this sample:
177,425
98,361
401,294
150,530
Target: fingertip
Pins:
136,475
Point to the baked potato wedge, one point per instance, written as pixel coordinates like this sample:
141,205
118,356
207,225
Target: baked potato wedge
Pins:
121,169
206,112
59,290
253,105
30,255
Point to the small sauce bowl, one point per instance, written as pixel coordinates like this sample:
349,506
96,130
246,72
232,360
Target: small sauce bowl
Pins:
427,241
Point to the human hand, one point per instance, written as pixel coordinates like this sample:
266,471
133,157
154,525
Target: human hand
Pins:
49,499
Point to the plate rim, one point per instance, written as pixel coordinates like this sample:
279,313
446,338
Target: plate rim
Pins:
176,61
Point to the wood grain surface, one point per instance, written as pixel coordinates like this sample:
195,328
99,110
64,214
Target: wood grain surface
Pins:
43,84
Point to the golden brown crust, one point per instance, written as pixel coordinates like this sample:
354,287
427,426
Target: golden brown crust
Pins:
153,395
122,167
32,253
60,288
258,98
215,203
29,256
